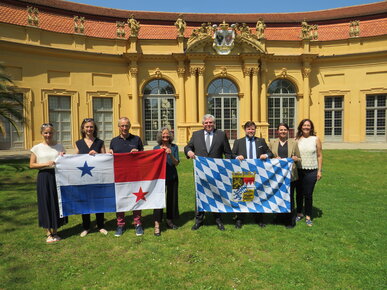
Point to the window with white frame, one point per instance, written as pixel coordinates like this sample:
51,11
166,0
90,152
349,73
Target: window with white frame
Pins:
376,117
159,108
60,117
103,116
223,105
13,137
282,106
333,118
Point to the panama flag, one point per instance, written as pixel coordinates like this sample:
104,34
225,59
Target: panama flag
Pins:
110,183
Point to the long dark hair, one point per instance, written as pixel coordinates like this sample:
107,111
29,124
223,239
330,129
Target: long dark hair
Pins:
87,120
299,128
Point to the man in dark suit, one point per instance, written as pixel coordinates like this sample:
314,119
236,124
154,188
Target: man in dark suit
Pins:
212,143
250,147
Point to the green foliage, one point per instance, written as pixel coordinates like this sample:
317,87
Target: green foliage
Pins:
11,105
344,249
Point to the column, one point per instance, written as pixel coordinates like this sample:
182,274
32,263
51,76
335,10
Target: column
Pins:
254,101
306,72
263,93
134,117
181,107
191,100
247,95
201,100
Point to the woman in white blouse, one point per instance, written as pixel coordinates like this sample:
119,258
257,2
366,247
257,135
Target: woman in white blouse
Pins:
43,157
310,171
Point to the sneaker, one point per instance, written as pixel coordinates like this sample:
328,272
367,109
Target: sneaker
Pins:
119,231
139,230
84,233
298,218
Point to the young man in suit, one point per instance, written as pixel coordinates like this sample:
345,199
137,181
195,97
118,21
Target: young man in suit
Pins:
213,143
250,147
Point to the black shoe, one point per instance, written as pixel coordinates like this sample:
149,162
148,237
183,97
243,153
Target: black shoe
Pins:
196,226
238,224
172,226
220,226
261,225
290,226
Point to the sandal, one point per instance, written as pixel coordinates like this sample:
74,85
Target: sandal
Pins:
103,231
309,222
84,233
157,232
51,239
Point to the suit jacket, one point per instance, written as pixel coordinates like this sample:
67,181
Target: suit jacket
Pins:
292,150
219,146
261,147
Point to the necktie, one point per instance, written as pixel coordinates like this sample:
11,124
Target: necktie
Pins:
251,140
208,142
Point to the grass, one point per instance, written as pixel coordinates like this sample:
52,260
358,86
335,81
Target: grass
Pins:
346,247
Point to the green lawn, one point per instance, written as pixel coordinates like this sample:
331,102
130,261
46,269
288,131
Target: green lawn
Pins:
346,247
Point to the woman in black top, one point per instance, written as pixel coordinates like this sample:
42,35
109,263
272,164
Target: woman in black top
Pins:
90,144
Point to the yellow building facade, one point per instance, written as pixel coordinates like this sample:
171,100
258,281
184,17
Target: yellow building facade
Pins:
72,61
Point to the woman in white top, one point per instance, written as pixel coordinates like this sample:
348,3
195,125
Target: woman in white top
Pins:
311,168
43,157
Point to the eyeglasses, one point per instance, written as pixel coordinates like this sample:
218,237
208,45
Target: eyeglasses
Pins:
47,125
88,120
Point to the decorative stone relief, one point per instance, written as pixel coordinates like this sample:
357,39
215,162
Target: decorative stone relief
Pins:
247,71
33,16
192,70
201,70
314,32
260,29
354,28
134,26
133,70
284,72
180,25
120,29
306,72
79,24
158,73
223,71
181,71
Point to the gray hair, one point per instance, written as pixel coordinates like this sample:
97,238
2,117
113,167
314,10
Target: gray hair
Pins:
124,119
208,116
160,133
46,125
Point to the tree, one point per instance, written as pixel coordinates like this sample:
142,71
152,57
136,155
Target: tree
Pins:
11,105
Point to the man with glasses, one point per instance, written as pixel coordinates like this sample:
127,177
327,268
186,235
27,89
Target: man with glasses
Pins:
125,143
208,142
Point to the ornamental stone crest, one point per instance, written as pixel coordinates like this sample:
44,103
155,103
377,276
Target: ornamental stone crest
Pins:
224,37
134,26
308,32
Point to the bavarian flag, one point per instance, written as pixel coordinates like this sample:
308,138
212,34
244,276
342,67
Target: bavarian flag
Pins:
110,182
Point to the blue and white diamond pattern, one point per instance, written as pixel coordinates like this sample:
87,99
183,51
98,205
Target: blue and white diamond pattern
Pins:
213,179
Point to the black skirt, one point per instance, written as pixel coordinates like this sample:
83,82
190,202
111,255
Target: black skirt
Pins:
48,208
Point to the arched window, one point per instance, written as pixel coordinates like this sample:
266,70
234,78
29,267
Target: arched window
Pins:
223,104
282,106
159,108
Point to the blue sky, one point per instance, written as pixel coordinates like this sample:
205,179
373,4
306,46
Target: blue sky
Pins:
236,6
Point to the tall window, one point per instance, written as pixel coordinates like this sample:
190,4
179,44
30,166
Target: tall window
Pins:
11,139
376,117
333,118
282,106
223,104
159,108
103,116
60,117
